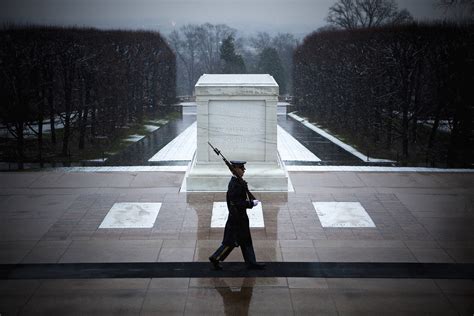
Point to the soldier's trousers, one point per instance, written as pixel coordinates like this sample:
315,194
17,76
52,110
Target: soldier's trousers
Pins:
247,252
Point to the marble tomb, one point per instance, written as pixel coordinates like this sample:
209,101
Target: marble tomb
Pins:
238,115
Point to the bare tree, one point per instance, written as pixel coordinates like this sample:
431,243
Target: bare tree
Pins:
261,41
352,14
18,77
198,50
284,44
186,45
459,10
393,87
210,38
93,81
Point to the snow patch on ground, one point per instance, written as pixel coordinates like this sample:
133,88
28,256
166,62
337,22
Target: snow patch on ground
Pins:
151,128
159,122
134,138
96,160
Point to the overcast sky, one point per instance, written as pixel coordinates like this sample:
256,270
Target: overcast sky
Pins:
299,17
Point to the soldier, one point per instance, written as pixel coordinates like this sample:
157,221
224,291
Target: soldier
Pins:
237,230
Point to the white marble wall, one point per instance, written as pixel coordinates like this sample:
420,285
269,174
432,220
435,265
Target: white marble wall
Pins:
237,114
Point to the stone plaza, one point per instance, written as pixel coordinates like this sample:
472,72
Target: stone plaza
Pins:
56,217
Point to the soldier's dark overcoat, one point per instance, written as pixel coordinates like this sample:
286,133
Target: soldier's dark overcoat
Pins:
237,230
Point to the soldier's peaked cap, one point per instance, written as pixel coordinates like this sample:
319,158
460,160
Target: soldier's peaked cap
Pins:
238,163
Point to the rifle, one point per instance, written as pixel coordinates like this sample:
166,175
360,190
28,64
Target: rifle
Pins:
232,169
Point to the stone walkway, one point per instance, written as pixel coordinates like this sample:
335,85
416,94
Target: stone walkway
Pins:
54,217
183,147
174,143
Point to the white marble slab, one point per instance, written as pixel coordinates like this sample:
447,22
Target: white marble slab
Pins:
292,150
220,214
131,215
237,128
235,80
121,169
342,214
183,186
375,169
181,148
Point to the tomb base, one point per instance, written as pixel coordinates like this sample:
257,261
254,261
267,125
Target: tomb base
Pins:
215,176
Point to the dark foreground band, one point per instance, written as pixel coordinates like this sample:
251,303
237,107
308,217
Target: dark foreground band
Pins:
236,269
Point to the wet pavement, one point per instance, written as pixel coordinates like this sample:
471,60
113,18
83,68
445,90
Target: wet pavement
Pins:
138,153
422,220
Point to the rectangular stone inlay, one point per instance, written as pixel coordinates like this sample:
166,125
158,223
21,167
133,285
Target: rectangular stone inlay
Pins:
220,214
342,214
131,215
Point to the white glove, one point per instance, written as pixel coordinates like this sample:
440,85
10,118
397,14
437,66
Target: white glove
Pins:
255,202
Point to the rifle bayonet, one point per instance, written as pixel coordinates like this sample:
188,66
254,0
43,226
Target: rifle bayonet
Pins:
231,168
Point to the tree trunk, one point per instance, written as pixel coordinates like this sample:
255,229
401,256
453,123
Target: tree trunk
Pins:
434,129
405,136
40,126
460,146
82,127
453,144
40,138
389,128
93,119
20,145
83,115
414,127
51,115
67,119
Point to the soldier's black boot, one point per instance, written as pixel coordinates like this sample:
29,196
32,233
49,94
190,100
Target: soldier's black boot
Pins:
221,253
249,256
215,263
